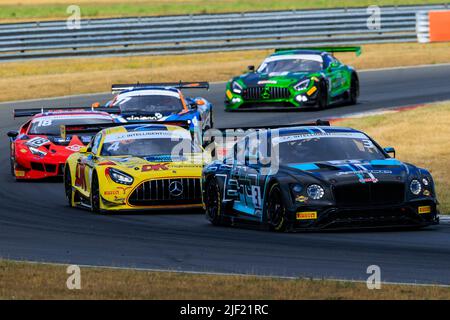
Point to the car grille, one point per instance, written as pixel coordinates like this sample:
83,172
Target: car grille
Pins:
256,93
369,194
157,192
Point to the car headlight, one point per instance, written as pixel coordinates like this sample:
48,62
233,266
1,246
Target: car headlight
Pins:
302,85
425,182
120,177
315,192
415,187
37,152
236,87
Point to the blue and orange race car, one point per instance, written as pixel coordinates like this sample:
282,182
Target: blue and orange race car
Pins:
162,102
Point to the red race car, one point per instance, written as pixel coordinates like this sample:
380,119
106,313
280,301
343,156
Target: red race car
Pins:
38,151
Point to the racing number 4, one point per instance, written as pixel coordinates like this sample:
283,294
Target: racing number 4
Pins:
80,176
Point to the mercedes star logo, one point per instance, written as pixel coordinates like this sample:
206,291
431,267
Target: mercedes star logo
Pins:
176,188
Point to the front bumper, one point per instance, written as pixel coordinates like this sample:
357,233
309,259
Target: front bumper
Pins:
330,217
38,169
296,100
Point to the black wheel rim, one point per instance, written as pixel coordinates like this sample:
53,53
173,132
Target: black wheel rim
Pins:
212,201
275,209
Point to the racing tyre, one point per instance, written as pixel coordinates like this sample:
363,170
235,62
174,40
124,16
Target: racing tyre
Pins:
322,99
354,90
275,210
68,186
95,194
13,171
213,202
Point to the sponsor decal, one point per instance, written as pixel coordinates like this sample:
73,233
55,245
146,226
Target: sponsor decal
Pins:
267,82
155,167
156,116
23,150
111,193
124,189
307,215
426,193
301,199
424,209
37,142
125,136
74,148
364,180
117,192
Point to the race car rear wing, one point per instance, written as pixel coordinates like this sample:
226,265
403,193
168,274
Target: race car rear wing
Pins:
117,88
310,124
94,128
357,50
17,113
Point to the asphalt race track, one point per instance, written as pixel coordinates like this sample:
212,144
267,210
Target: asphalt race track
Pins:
37,225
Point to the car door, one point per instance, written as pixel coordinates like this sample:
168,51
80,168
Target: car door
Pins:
247,175
86,165
337,79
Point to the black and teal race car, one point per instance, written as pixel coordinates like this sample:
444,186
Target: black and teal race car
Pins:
314,176
295,78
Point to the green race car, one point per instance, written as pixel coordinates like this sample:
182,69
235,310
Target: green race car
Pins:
295,78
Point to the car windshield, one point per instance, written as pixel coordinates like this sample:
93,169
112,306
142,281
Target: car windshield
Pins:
146,144
291,65
51,125
319,149
149,104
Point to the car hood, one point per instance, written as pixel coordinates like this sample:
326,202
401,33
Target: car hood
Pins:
352,171
276,79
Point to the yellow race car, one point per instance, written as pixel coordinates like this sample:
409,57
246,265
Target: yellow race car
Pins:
135,167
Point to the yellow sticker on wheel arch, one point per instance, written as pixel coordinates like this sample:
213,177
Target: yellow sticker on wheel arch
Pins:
424,209
20,174
311,91
229,94
309,215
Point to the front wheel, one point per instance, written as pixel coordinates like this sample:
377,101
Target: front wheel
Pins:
354,91
275,210
13,169
213,202
68,186
322,99
95,195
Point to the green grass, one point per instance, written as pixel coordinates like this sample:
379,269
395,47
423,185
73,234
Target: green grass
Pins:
42,9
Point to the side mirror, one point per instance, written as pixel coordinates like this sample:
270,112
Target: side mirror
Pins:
390,150
333,65
199,102
84,150
13,134
251,68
